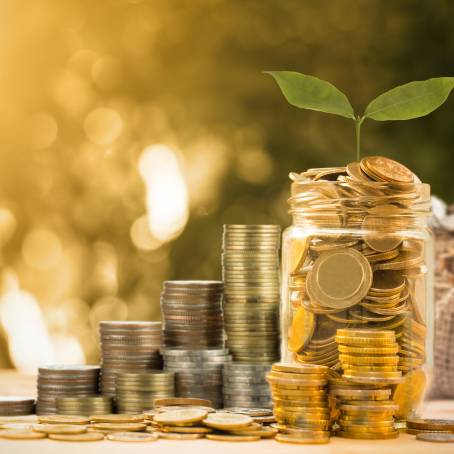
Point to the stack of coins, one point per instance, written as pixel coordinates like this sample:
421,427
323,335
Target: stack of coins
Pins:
137,392
245,386
369,356
198,373
61,380
192,314
16,406
127,346
84,406
250,269
300,402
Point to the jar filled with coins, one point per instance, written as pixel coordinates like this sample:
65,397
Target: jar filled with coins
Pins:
357,279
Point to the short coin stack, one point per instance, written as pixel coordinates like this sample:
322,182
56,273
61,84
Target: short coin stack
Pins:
137,392
198,373
369,356
86,406
16,406
126,346
300,402
245,386
192,314
61,380
250,268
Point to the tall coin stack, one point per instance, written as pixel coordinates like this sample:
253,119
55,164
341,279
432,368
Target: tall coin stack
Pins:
250,269
84,406
300,402
369,361
128,346
61,380
136,392
192,314
198,373
245,386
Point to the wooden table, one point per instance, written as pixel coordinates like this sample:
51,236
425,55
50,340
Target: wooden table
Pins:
14,384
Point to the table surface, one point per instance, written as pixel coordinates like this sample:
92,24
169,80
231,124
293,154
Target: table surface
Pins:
14,384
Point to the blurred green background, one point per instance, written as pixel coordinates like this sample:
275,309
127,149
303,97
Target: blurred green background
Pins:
130,131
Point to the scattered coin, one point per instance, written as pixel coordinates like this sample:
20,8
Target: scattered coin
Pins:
132,437
117,418
24,434
227,421
431,424
436,437
63,419
234,438
119,427
89,436
176,417
59,428
179,436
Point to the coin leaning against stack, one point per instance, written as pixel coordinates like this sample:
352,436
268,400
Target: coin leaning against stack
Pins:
16,406
300,402
64,380
137,392
126,346
84,406
250,270
198,373
192,314
245,385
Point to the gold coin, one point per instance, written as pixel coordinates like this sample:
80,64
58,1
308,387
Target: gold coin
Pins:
299,368
367,436
409,394
369,333
369,350
296,382
385,169
366,341
121,418
421,431
178,436
21,434
63,419
186,430
339,279
228,437
301,330
297,251
227,421
300,439
362,394
169,401
88,436
366,423
132,437
430,424
264,432
119,427
174,417
386,360
368,429
291,376
59,428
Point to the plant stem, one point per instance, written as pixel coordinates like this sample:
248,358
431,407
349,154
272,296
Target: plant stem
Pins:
358,122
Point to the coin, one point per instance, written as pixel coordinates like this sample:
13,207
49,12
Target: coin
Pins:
119,427
227,421
409,394
67,429
122,418
180,416
89,436
436,437
303,438
339,279
132,437
63,419
186,429
431,424
386,169
17,434
180,436
368,435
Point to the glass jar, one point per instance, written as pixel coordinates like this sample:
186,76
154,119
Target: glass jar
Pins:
357,279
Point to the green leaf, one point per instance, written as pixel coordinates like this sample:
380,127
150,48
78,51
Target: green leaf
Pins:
411,100
309,92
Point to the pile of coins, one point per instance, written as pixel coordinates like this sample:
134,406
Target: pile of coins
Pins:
198,373
250,269
300,402
192,314
137,392
436,430
245,386
94,405
60,381
16,406
127,346
361,264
